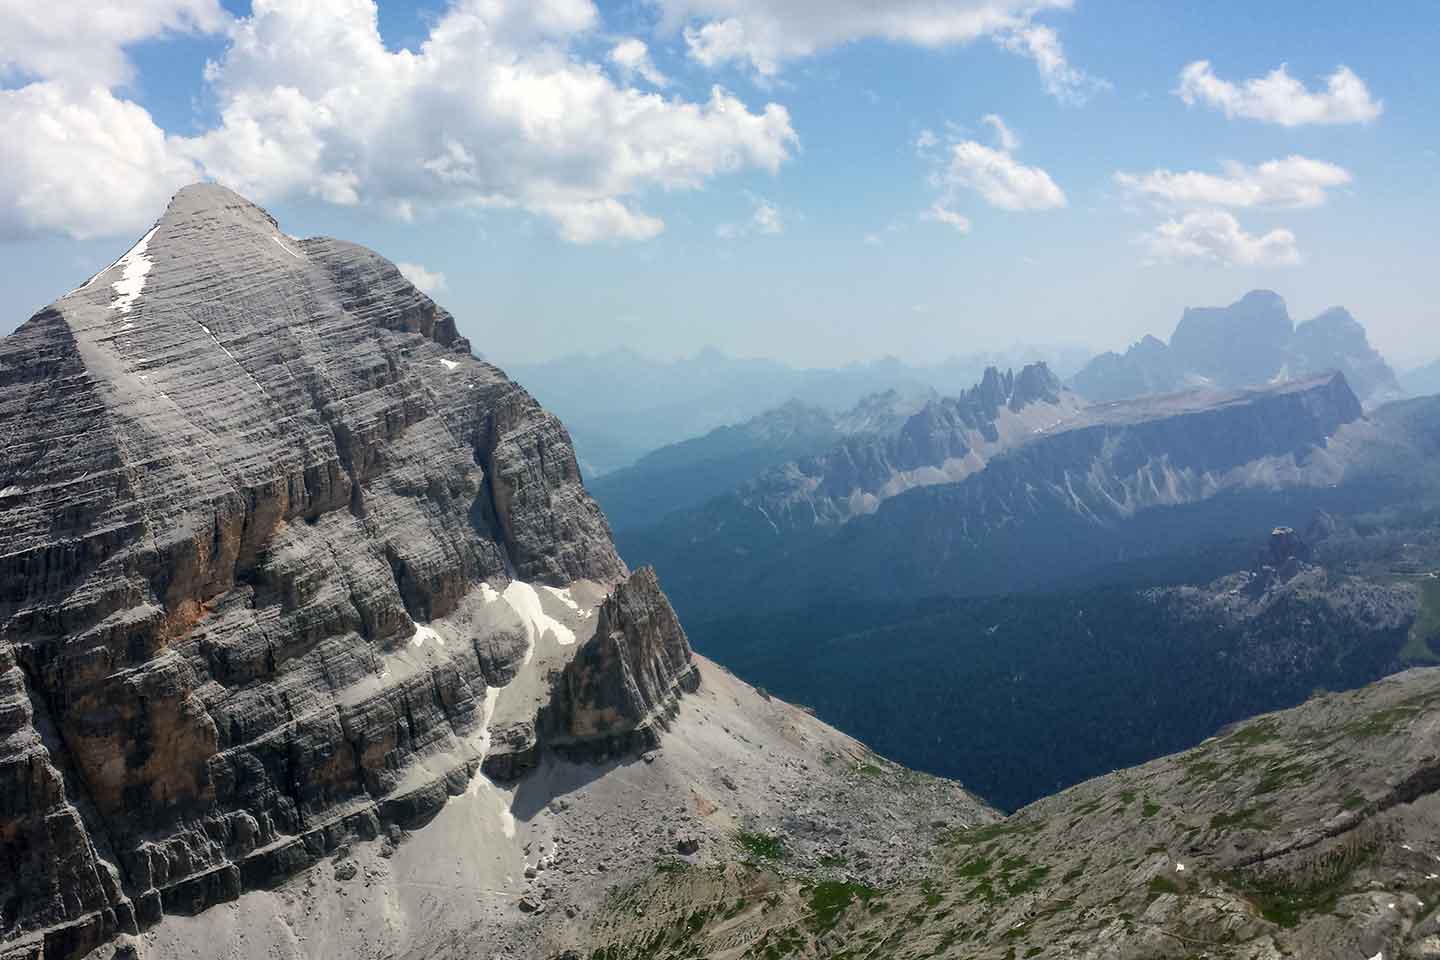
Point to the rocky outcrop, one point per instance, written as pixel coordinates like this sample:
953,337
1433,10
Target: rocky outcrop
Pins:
622,687
257,507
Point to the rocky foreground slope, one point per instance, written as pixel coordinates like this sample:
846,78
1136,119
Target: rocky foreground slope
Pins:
1308,833
287,575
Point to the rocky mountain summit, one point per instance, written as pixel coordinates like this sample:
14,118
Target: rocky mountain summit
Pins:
283,570
1251,342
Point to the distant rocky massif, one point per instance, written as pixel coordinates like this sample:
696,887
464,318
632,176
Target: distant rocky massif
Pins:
742,535
1251,342
990,515
313,645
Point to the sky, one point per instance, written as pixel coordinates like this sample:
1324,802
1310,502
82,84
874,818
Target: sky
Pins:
815,181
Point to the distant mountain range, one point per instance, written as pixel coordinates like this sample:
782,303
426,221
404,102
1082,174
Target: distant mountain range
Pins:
1074,491
688,473
648,403
792,507
1251,342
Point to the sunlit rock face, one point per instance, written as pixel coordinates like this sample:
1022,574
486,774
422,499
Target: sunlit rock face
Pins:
270,537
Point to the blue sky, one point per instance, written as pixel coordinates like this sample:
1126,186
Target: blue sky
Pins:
823,233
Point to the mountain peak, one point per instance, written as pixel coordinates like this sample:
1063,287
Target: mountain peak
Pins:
207,199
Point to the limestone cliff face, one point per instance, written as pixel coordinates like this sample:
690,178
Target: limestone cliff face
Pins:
622,686
260,510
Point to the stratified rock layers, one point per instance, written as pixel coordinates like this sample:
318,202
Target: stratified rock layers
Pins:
623,684
240,470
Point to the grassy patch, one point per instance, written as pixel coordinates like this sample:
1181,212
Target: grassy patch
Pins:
977,867
1417,647
994,831
1161,884
1281,773
761,846
1149,809
830,900
1244,817
1254,734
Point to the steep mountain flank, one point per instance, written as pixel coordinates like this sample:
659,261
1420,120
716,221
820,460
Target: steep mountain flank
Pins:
283,567
1248,343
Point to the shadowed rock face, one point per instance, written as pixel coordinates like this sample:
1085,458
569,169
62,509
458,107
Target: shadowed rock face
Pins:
240,471
622,686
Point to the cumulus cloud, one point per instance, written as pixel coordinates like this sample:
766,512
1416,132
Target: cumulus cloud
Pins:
1215,236
1293,181
497,109
77,158
83,44
763,35
431,281
992,172
82,162
1279,98
632,58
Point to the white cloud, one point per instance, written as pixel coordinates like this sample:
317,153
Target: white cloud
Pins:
762,35
431,281
943,214
1040,43
632,58
765,218
992,172
1217,237
1293,181
1004,136
76,158
83,44
83,163
1279,98
497,109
